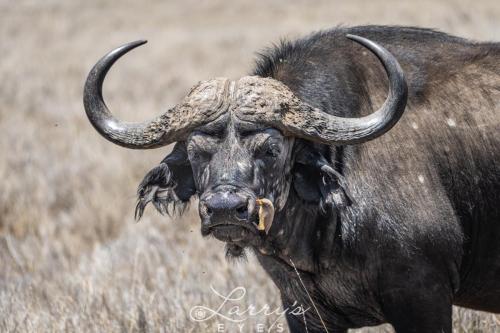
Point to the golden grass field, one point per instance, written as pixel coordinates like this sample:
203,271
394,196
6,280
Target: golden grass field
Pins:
71,256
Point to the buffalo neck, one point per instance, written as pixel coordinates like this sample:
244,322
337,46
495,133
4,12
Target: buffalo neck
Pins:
303,236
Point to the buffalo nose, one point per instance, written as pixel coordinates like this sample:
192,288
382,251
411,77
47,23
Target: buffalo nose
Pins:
224,206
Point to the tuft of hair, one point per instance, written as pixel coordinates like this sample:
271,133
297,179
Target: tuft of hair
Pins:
268,60
235,253
271,60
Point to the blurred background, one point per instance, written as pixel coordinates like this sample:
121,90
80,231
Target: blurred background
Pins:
71,256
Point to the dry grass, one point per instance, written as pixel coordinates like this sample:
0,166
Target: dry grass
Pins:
72,259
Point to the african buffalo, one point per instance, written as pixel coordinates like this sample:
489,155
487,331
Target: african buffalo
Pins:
291,162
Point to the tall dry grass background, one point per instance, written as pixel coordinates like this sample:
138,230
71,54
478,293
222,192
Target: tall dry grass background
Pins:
71,256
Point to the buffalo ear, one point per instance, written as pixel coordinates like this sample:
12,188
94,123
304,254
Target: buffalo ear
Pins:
306,180
307,177
182,174
315,180
168,186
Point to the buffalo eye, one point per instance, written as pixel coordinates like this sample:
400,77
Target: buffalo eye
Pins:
268,150
273,150
201,147
197,154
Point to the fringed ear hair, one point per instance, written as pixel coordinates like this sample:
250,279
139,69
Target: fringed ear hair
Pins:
157,188
169,186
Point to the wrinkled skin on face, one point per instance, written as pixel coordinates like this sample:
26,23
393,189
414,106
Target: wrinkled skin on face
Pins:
235,163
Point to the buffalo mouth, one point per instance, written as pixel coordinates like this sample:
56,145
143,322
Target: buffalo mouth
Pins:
238,225
231,232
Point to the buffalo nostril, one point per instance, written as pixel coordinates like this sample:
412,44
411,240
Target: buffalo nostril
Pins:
242,212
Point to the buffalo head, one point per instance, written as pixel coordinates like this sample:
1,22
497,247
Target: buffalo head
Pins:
241,145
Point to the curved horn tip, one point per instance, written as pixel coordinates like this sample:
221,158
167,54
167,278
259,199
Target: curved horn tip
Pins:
132,45
139,42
